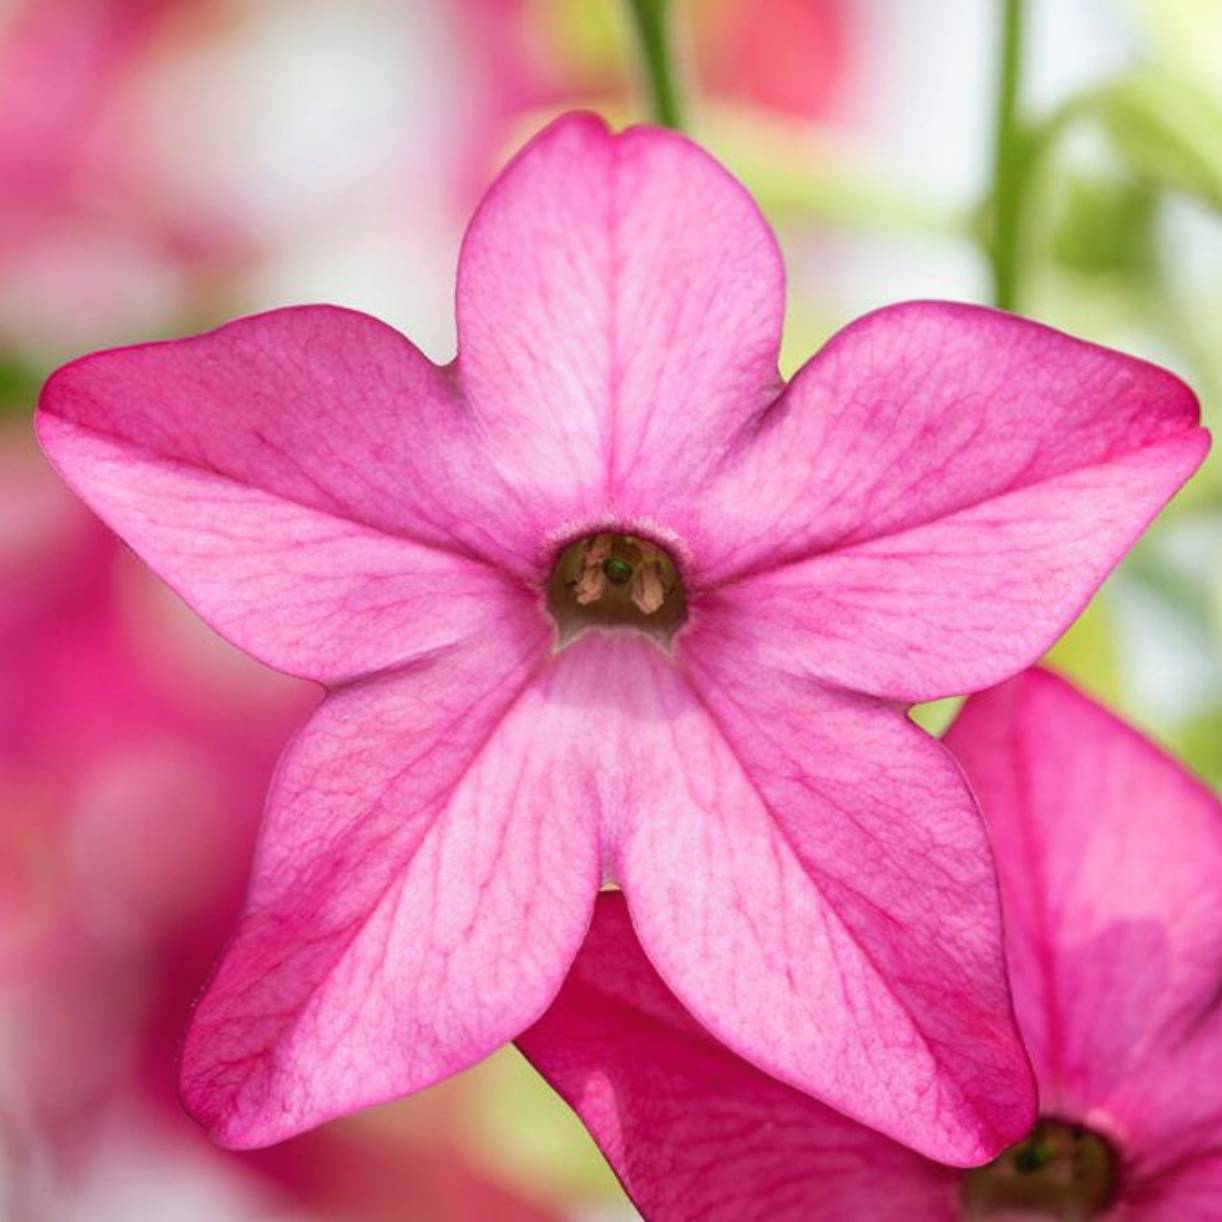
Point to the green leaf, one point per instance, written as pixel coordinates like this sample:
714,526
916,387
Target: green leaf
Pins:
19,384
1104,225
1168,128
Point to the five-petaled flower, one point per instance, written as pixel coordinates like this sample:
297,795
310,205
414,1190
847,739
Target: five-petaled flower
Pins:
1110,859
603,600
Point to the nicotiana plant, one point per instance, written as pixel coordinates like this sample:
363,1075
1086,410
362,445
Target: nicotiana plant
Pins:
603,601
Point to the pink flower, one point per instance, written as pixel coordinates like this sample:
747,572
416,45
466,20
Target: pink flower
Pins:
1110,859
471,559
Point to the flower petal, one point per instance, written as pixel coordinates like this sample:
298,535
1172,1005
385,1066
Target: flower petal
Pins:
939,493
619,315
1110,859
693,1132
1192,1190
813,881
303,478
420,890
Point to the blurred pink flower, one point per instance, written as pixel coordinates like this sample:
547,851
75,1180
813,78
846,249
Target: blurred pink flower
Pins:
92,241
133,755
603,600
135,749
365,1176
1110,859
788,56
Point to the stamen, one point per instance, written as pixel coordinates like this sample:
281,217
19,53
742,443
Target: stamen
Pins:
609,580
592,582
648,591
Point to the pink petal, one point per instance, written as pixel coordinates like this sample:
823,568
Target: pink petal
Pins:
809,874
1110,859
1191,1192
619,314
303,478
694,1133
939,493
420,889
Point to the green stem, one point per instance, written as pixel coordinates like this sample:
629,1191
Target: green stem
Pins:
654,35
1009,161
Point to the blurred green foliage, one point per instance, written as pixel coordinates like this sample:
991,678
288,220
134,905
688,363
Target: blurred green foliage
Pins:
19,383
1169,130
1105,225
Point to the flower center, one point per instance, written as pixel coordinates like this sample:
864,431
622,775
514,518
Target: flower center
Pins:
615,581
1060,1171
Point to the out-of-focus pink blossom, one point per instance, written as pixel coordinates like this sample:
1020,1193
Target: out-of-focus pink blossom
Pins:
135,749
605,600
92,243
133,755
367,1176
787,56
1110,858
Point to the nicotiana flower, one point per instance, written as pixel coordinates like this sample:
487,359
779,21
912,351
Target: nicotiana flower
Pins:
1110,859
603,600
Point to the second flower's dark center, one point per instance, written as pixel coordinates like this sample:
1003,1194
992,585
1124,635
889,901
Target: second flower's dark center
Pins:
615,580
1061,1171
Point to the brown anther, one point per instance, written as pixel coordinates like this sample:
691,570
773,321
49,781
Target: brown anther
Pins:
646,589
591,582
